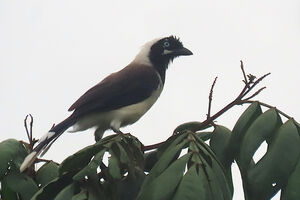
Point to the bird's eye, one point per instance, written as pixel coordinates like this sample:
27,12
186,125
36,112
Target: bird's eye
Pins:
166,44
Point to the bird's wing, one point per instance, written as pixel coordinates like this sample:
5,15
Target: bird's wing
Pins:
128,86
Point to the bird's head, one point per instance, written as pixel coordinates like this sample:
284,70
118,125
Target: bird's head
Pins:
160,52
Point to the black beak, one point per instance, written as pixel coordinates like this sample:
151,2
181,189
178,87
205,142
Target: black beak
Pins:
182,52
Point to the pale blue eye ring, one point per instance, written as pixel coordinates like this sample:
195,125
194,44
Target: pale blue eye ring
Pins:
166,44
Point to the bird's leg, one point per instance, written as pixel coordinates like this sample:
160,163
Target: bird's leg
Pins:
117,131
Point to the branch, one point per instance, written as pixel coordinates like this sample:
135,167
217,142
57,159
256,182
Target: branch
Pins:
250,83
210,97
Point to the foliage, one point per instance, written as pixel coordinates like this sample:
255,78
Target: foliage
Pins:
184,167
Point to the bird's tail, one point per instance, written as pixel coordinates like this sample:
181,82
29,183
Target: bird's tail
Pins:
46,141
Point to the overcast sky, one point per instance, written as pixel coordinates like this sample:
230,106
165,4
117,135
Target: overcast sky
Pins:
53,51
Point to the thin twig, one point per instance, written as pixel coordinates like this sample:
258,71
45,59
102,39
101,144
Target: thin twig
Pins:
255,94
210,97
31,125
244,74
26,128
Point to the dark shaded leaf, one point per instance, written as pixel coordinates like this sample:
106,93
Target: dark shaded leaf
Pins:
150,160
240,128
82,158
163,186
6,192
263,128
66,193
91,168
277,164
291,191
11,151
193,186
53,188
218,143
21,184
46,173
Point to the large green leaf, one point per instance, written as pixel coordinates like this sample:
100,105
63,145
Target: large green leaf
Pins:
82,158
66,193
263,128
240,128
165,160
11,151
91,168
21,184
292,191
53,188
6,193
46,173
273,170
218,142
193,186
163,186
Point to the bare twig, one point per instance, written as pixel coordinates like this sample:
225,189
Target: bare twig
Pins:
210,97
255,94
26,128
243,71
31,125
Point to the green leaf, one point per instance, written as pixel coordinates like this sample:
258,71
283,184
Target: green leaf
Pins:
6,193
240,128
189,126
82,158
165,160
204,135
278,163
66,193
46,173
91,168
162,187
113,166
151,159
21,184
291,191
193,186
218,142
263,128
11,151
53,188
81,196
129,187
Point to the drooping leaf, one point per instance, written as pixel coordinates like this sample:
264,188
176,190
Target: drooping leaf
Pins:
163,186
150,160
21,184
11,151
91,168
218,142
240,128
165,160
6,193
66,193
263,128
291,191
53,188
114,166
194,185
273,170
129,187
46,173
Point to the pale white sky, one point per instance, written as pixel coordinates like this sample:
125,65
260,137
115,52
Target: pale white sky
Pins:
53,51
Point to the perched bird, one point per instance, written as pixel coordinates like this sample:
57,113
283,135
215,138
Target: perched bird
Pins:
121,98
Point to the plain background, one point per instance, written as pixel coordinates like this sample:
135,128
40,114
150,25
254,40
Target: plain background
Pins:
53,51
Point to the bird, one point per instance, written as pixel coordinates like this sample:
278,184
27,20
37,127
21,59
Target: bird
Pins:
121,98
